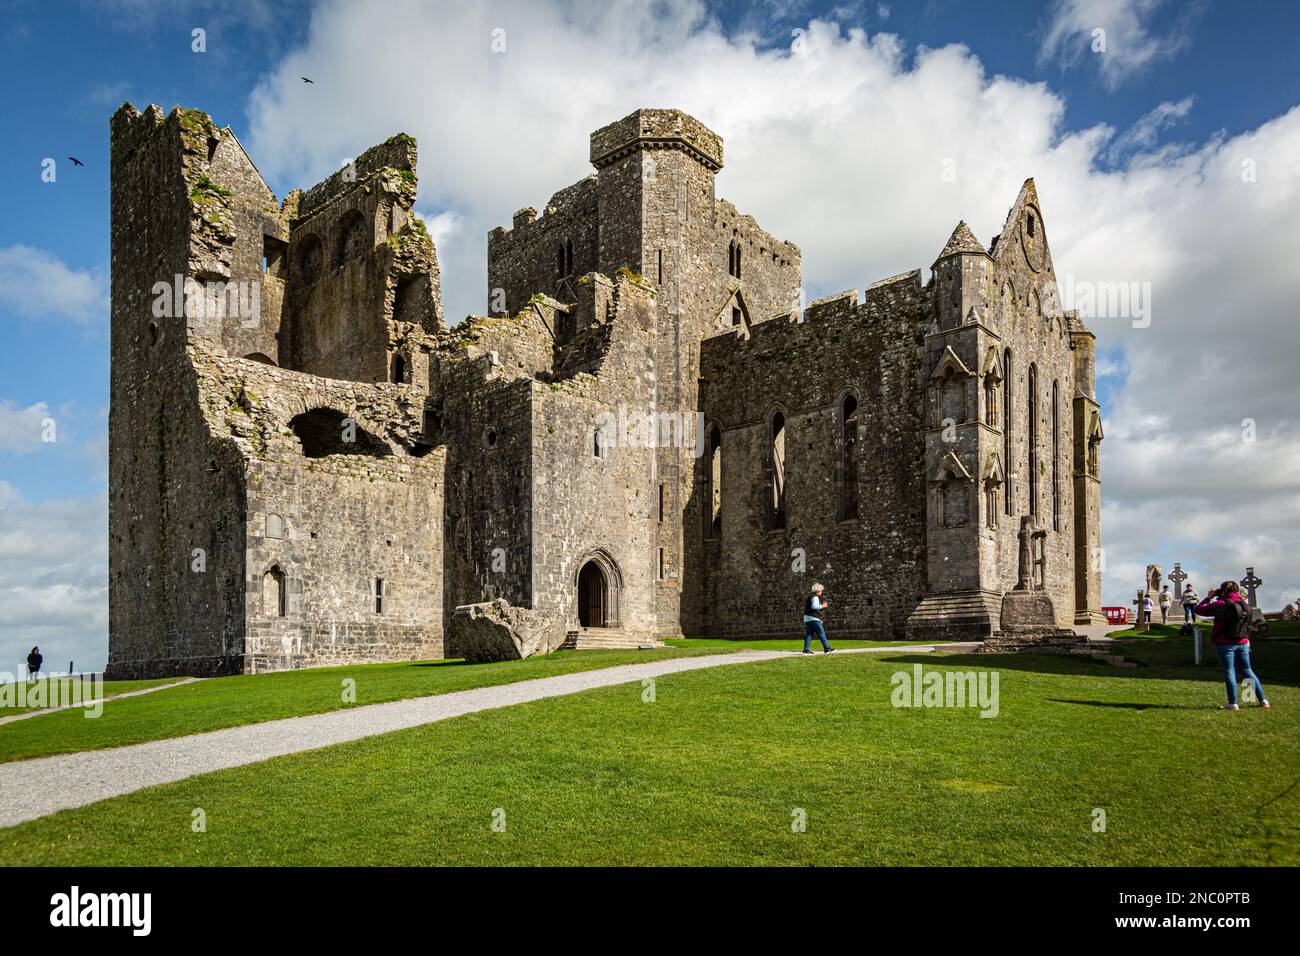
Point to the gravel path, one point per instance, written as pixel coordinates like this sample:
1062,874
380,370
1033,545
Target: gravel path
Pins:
44,785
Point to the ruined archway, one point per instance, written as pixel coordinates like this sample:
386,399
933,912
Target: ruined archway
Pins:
327,431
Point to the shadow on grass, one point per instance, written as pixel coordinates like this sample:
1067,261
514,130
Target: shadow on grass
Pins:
451,662
1126,706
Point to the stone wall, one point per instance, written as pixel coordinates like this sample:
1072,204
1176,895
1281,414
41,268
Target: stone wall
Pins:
176,557
269,471
873,563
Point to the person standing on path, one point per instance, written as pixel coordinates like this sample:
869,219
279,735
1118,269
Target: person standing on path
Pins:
812,620
1190,600
1231,639
1165,600
34,661
1148,606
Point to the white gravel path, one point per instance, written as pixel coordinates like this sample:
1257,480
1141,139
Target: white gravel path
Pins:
38,787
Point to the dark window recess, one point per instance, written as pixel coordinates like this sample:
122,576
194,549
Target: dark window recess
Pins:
379,595
273,251
406,300
327,431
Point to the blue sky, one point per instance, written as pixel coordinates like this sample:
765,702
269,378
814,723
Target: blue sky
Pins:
1222,71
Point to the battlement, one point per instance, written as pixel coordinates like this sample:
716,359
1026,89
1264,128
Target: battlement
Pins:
398,153
657,129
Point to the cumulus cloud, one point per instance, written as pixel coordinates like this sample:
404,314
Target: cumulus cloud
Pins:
840,145
21,428
53,580
1118,34
39,285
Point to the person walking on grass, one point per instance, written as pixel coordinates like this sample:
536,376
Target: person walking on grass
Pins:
34,661
1165,600
812,620
1231,637
1190,600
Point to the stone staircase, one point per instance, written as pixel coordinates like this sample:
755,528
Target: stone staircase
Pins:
604,638
964,615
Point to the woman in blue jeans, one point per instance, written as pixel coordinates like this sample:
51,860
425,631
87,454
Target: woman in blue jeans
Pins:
1230,636
812,620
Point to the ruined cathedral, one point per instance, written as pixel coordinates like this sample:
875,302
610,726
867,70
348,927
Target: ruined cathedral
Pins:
309,465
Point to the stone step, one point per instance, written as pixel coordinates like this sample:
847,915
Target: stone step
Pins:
594,639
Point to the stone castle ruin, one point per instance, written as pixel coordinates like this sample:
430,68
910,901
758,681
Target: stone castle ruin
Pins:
645,437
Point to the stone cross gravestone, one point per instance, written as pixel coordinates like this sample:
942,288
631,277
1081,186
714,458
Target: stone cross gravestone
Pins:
1251,582
1178,576
1140,602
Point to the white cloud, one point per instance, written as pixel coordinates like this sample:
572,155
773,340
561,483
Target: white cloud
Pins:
21,428
1128,45
1144,134
840,149
38,285
53,581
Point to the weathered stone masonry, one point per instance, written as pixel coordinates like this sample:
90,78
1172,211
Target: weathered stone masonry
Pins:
321,471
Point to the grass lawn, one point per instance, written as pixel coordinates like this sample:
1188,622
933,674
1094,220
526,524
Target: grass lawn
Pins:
1275,629
717,767
232,701
794,644
107,689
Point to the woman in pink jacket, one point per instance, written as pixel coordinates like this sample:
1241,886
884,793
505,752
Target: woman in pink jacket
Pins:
1231,639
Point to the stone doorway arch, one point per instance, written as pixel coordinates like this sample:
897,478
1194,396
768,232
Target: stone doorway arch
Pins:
598,586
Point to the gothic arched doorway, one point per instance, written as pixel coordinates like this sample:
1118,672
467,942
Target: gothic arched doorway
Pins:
593,596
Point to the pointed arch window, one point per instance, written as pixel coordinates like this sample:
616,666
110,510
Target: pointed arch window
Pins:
274,592
1008,504
776,474
713,479
993,481
1031,410
848,442
992,381
1056,456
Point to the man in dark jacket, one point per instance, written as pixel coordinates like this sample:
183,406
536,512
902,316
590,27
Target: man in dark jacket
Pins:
1230,636
34,660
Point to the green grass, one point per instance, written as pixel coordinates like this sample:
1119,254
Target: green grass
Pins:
106,689
233,701
793,644
1284,629
713,770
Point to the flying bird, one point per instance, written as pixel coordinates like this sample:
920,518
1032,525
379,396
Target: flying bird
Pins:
305,80
75,161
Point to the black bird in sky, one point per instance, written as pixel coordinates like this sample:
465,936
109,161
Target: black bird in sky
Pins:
75,161
305,80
